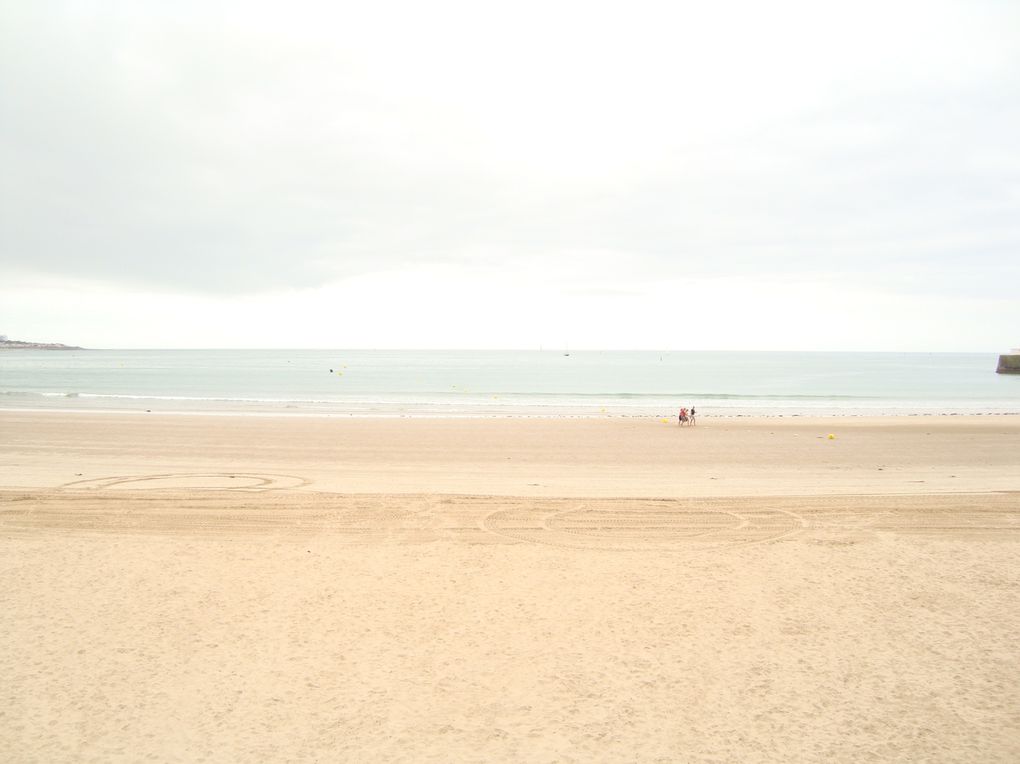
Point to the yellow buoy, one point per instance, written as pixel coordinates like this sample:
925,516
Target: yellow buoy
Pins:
831,436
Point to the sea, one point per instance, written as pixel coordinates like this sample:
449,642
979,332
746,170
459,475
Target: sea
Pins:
498,383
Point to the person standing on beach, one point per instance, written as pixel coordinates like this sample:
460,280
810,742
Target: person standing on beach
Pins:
692,415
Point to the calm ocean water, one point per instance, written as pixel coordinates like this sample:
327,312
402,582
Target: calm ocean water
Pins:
497,383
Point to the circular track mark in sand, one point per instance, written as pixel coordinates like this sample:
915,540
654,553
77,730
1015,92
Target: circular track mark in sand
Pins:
205,481
642,527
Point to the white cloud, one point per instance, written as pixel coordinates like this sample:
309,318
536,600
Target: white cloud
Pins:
213,156
444,307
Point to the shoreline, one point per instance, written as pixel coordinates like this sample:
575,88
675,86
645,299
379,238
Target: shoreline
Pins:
604,457
320,414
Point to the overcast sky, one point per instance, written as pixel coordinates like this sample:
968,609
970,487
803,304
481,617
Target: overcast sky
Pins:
727,175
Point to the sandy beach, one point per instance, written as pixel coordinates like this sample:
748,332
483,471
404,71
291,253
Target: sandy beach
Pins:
226,588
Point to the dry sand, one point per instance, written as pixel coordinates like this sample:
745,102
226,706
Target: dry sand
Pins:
238,588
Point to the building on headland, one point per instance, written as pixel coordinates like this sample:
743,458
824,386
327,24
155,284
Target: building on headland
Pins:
1009,363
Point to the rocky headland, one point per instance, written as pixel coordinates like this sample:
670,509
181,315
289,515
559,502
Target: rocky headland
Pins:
6,344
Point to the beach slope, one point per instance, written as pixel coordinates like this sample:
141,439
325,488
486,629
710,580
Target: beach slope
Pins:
232,588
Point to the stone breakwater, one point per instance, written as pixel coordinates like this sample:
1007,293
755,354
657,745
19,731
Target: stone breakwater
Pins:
1009,363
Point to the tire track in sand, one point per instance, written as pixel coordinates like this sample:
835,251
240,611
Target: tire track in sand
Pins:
260,505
